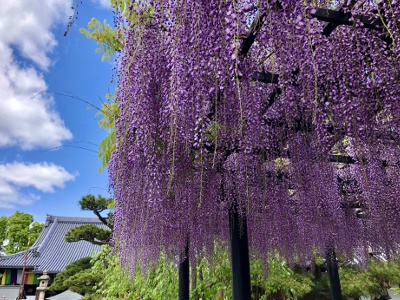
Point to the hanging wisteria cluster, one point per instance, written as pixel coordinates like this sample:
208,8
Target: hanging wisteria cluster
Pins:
311,159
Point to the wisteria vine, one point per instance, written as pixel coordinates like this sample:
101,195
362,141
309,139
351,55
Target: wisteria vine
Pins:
198,134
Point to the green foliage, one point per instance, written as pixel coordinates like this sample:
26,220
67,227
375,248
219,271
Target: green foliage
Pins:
60,281
112,40
21,232
354,282
281,279
396,290
321,286
318,260
109,112
128,10
89,232
213,130
281,163
34,231
3,229
160,282
83,282
91,297
97,205
18,232
109,39
382,273
115,281
105,278
82,276
213,277
357,281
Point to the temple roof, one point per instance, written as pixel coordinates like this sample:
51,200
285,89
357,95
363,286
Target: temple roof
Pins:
50,252
67,295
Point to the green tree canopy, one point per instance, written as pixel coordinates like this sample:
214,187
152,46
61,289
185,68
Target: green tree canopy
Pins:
83,282
90,232
3,229
61,283
20,231
98,205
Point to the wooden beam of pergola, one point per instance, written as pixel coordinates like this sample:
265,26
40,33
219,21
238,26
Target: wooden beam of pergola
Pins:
330,26
334,19
341,18
266,77
250,36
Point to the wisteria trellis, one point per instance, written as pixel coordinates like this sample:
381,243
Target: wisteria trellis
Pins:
198,135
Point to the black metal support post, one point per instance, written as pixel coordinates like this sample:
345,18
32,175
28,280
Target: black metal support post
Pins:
240,264
334,281
184,276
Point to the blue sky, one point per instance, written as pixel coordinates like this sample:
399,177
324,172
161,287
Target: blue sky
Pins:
42,169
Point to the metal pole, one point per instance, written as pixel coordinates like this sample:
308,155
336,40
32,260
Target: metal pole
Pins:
240,264
334,280
184,276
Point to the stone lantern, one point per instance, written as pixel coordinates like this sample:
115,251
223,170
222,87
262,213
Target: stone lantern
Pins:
43,282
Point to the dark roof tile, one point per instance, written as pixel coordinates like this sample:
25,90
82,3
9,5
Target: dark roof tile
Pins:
50,252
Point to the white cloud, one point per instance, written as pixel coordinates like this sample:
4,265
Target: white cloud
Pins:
26,122
44,177
103,3
26,26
